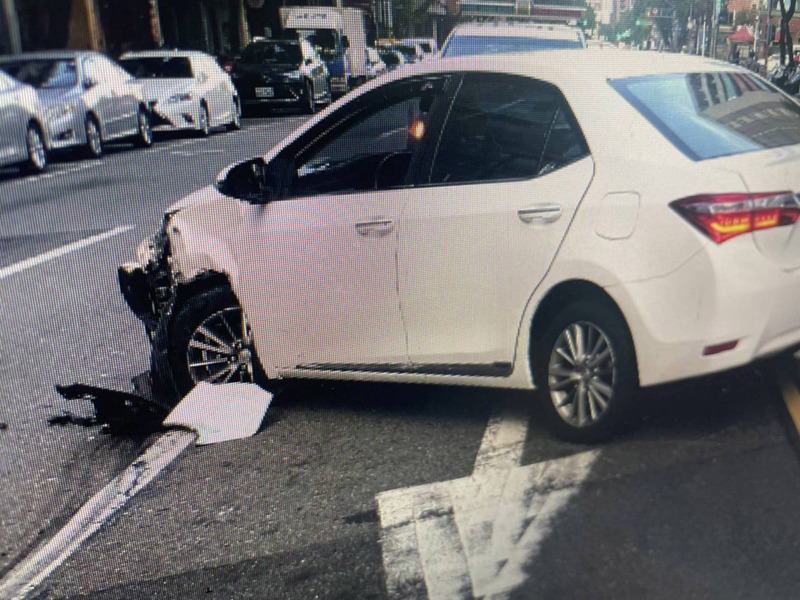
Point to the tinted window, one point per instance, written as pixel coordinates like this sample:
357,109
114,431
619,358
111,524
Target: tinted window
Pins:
706,115
44,74
158,67
505,127
272,52
373,147
464,45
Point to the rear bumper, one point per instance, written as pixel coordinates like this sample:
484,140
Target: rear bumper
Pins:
723,294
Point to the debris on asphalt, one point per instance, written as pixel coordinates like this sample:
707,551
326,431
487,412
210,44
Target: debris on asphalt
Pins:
67,418
216,412
118,412
221,412
3,426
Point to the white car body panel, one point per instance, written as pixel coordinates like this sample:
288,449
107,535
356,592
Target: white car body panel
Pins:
678,291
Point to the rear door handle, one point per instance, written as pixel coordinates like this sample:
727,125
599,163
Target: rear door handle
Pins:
546,213
376,228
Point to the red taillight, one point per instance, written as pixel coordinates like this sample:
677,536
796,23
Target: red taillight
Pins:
723,216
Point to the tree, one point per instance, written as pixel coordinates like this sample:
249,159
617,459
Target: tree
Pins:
786,36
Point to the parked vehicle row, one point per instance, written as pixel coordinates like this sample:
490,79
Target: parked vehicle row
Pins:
81,100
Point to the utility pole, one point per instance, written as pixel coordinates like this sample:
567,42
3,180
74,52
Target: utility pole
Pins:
12,22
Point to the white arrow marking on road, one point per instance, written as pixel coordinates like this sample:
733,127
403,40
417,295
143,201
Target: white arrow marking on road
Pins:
472,537
37,260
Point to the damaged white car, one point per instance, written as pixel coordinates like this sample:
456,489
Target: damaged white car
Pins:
479,222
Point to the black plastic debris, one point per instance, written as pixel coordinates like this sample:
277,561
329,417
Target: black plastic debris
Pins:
67,418
3,426
119,412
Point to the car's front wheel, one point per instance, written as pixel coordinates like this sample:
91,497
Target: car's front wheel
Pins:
144,136
310,104
204,122
236,119
37,151
210,340
584,367
94,138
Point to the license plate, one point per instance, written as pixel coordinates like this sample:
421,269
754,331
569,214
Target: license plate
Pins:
265,92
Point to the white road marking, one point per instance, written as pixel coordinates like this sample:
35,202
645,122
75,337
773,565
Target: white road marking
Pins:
29,573
196,152
59,252
472,537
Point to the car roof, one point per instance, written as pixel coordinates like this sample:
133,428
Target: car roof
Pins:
49,55
164,54
537,30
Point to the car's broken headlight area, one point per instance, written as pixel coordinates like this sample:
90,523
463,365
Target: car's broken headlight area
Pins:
147,284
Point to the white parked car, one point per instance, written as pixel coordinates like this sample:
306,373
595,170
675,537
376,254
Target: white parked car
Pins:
88,99
503,38
375,65
185,89
23,134
479,222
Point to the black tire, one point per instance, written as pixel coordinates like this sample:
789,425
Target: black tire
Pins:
37,151
205,121
572,393
94,138
236,122
144,137
218,311
309,104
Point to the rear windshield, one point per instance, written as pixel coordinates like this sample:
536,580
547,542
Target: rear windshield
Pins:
466,45
159,67
706,115
278,52
44,74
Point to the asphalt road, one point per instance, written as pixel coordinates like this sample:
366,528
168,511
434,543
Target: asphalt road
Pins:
357,491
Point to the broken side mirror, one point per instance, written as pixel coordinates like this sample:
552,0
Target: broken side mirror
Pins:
256,181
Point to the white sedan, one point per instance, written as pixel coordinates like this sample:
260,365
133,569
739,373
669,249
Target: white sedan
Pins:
185,90
502,222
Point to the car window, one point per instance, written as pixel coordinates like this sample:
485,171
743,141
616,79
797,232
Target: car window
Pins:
272,53
466,45
706,115
177,67
44,73
505,127
373,147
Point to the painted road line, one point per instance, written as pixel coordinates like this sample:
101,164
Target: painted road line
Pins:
791,396
472,537
34,261
503,441
31,571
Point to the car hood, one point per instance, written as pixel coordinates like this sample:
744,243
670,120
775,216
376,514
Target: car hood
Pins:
161,89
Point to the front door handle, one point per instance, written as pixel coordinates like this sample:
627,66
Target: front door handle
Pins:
546,213
376,228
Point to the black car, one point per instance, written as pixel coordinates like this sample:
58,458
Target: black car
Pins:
279,73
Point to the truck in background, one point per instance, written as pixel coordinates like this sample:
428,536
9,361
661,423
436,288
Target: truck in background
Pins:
340,36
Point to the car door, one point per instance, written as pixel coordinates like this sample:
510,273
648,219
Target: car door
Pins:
99,96
124,90
509,171
319,268
13,122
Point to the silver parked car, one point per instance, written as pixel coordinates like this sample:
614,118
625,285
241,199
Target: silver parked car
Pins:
23,137
185,90
88,98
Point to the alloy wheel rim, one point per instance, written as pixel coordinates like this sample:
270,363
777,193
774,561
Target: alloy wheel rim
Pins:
581,374
237,114
220,349
36,150
93,135
144,128
204,121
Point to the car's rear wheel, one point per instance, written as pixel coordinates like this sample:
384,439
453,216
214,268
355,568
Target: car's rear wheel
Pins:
94,138
236,120
37,151
210,340
204,122
144,138
584,367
